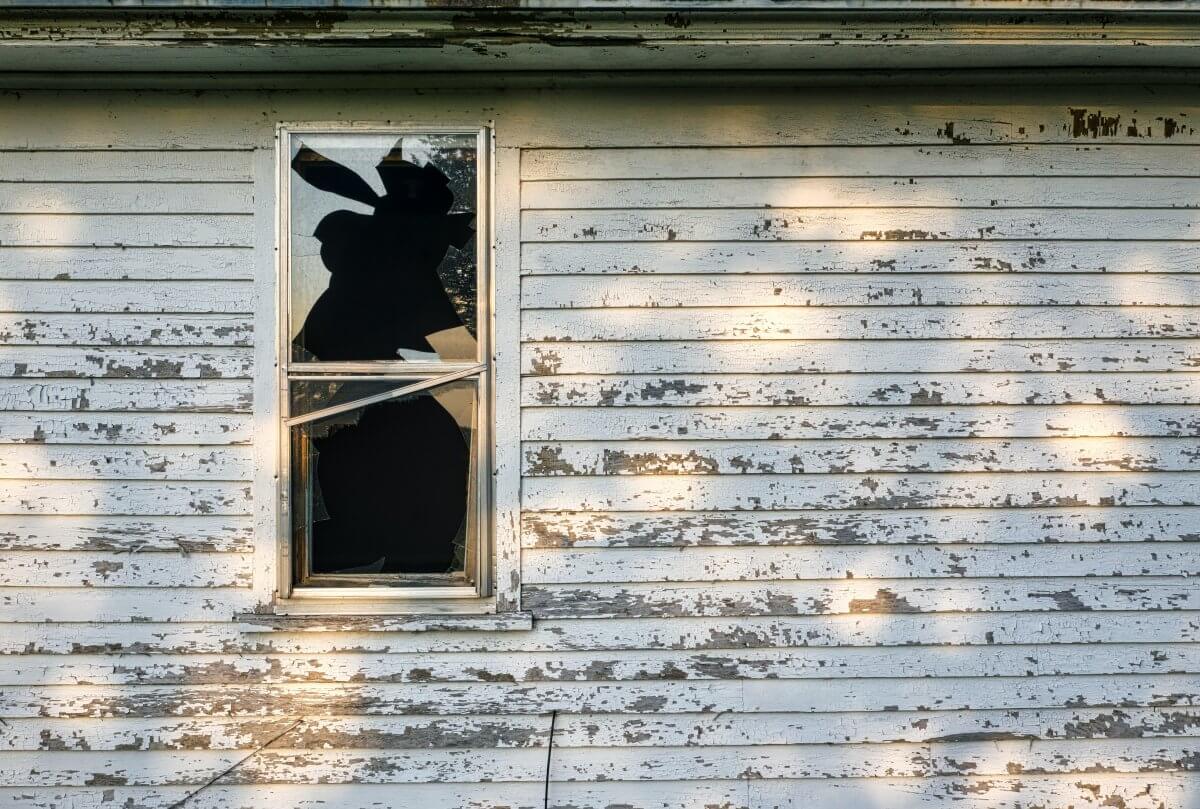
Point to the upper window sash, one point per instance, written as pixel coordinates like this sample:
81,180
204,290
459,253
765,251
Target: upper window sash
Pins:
341,161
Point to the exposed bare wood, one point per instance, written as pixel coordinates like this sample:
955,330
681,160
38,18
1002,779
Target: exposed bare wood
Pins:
896,321
584,666
127,393
858,527
714,696
1010,792
597,730
74,497
609,634
681,457
124,428
861,562
859,356
864,595
798,761
913,289
755,423
845,224
725,390
125,330
868,257
107,362
53,461
93,569
210,534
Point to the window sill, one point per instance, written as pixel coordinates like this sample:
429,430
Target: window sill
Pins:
503,622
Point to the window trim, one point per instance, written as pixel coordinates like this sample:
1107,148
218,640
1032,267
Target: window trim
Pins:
476,598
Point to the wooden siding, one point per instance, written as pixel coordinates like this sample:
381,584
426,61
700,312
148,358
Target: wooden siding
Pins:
855,383
856,436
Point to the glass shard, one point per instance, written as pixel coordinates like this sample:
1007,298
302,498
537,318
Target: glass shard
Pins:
311,395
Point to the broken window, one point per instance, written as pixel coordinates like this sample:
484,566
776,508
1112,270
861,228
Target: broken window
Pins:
385,362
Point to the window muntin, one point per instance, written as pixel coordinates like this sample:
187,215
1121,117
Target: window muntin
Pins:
384,362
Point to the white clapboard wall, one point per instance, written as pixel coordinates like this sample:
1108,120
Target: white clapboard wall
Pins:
858,446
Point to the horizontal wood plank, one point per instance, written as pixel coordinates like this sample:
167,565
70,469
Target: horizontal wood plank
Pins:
517,667
222,297
803,390
866,596
664,291
141,197
573,764
204,534
759,423
83,497
90,569
742,114
1142,791
107,362
753,696
979,560
853,224
82,230
881,159
91,394
859,356
125,428
126,330
882,527
849,491
1008,792
869,257
903,190
99,263
680,457
56,461
766,322
193,599
83,165
596,730
611,634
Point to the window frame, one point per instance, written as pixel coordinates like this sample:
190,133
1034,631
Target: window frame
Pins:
477,596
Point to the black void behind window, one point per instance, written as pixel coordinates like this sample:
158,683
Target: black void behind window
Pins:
384,361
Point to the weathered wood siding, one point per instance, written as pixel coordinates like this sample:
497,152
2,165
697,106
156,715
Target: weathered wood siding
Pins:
857,441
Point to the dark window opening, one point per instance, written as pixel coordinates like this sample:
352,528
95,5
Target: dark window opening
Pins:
386,375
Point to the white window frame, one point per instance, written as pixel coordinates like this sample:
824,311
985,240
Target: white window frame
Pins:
477,597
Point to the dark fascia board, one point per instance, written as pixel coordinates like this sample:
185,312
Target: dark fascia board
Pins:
715,80
857,7
444,36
